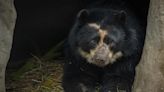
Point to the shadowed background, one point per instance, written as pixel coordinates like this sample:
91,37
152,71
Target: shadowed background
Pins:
42,24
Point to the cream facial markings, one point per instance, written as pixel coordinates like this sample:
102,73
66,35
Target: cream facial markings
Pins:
102,34
94,25
114,56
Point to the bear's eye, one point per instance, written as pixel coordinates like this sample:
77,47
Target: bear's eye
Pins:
107,40
112,44
93,43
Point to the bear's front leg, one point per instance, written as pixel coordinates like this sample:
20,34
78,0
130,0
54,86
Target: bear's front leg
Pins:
75,80
118,78
116,84
77,85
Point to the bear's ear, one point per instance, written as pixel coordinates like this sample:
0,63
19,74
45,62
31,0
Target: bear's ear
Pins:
83,15
121,16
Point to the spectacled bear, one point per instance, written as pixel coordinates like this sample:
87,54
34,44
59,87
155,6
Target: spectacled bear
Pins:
102,51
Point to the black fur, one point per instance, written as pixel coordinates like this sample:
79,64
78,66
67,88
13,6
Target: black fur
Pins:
81,76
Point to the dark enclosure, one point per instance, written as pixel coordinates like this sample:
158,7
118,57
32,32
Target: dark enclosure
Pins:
41,26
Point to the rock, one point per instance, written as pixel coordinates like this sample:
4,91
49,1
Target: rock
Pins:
150,71
7,23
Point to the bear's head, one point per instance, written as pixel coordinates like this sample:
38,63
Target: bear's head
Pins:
99,36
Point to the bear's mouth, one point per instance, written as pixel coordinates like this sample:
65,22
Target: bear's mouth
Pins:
100,63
